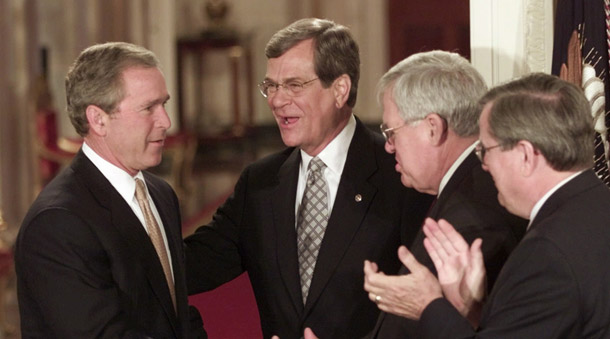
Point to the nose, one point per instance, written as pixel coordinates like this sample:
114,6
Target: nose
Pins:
163,119
389,147
278,99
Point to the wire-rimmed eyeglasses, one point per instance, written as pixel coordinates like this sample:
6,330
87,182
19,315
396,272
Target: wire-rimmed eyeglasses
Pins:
389,132
292,87
481,150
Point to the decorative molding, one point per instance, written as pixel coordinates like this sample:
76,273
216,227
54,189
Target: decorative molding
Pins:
535,36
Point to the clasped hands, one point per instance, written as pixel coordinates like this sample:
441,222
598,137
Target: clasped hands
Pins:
461,276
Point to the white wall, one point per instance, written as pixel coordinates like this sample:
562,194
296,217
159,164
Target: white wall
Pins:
510,38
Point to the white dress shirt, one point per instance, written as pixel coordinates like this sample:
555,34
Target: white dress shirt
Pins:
334,156
125,184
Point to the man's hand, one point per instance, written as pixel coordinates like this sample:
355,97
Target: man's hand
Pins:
403,295
460,268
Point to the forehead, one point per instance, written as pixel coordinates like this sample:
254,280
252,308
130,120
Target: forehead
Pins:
142,85
142,79
390,110
484,122
297,62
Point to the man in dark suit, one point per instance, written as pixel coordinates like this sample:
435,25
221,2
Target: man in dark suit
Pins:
430,119
86,265
310,85
535,140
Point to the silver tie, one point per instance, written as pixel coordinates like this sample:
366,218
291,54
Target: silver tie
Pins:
311,222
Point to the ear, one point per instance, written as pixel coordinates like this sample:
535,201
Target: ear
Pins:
341,87
529,157
97,119
437,128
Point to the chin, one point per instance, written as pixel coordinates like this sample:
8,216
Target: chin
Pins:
406,182
288,141
509,207
153,162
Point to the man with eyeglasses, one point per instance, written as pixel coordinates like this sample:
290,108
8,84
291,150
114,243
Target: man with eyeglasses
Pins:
555,283
430,116
302,232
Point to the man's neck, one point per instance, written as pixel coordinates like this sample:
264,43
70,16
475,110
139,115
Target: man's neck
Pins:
453,148
545,181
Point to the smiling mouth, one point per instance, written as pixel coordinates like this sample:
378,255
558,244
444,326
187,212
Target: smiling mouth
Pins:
288,120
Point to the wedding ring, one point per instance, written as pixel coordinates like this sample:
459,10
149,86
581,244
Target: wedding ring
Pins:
377,299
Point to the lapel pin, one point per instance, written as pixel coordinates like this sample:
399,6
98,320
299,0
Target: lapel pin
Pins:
358,198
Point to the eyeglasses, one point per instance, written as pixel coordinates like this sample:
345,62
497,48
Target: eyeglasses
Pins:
481,150
292,87
389,132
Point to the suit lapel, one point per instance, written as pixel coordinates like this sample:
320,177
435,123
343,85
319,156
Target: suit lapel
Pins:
283,205
348,211
164,206
437,210
582,182
136,240
434,212
135,235
454,182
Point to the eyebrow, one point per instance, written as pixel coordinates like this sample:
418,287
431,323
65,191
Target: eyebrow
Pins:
285,80
155,102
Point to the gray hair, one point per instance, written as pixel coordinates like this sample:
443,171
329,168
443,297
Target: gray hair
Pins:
335,50
96,78
438,82
552,114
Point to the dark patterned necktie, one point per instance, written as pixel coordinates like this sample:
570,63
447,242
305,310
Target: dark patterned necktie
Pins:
154,231
311,222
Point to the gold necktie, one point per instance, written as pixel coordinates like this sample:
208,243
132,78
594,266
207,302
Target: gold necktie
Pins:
155,236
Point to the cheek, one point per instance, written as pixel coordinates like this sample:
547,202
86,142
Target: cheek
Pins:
502,184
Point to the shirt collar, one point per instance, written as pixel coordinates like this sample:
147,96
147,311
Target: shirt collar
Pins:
122,181
454,167
334,154
547,195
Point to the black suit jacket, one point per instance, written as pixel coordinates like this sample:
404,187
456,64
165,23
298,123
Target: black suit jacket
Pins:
556,283
469,202
86,267
254,231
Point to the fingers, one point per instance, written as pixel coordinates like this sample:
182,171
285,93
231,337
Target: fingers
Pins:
407,259
308,334
374,281
441,242
451,235
476,255
442,249
434,255
370,267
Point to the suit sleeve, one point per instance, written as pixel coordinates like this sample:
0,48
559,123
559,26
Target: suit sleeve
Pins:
212,252
67,275
534,298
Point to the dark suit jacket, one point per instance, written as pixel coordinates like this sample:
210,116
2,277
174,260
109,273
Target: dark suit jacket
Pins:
556,283
86,267
254,231
469,202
